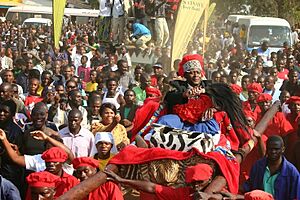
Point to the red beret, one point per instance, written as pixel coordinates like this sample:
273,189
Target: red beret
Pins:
153,91
258,195
293,99
85,161
263,98
42,179
236,88
55,154
189,62
199,172
255,87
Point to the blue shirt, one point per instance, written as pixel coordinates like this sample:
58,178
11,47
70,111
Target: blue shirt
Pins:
287,183
8,191
140,30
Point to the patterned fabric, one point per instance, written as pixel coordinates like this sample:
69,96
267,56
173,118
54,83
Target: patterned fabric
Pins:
191,65
181,140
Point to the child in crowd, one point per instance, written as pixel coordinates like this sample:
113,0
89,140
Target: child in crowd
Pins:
32,97
92,84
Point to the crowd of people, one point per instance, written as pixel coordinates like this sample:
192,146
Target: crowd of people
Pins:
78,121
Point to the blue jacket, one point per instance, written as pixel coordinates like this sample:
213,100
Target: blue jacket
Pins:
287,184
140,30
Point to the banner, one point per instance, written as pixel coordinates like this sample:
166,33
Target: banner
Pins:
188,16
58,13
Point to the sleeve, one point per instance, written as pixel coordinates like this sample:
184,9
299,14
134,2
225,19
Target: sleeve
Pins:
136,30
10,191
34,163
285,126
123,133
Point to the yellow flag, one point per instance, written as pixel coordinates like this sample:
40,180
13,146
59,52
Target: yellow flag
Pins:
188,16
58,13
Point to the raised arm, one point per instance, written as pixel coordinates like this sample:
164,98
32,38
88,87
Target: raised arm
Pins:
12,154
40,135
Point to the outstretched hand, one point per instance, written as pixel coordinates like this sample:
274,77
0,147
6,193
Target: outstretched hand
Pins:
2,135
39,135
111,176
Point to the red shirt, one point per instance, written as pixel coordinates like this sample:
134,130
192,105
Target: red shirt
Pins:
279,125
284,74
168,193
66,183
247,107
107,191
154,81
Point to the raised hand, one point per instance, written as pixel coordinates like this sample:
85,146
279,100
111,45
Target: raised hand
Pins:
2,135
39,135
112,176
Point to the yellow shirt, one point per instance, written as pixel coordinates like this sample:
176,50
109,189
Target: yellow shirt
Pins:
90,87
119,132
40,90
103,163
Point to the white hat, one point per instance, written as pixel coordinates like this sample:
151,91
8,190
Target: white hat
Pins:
104,137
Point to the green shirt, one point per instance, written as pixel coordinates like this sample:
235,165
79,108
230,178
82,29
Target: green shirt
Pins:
269,181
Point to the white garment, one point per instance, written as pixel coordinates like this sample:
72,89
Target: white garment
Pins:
105,9
76,59
295,37
37,164
80,144
126,57
113,100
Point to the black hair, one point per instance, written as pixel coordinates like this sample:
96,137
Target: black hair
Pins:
120,62
111,79
11,105
129,90
275,138
224,98
108,105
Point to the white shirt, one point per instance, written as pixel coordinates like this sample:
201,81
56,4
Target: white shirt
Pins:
37,164
80,144
105,10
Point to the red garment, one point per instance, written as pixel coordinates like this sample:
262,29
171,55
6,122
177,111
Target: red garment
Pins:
254,87
293,137
168,193
192,111
134,155
279,125
188,58
85,161
107,191
226,129
42,179
247,107
236,88
284,74
199,172
264,98
153,91
144,114
32,99
154,81
66,183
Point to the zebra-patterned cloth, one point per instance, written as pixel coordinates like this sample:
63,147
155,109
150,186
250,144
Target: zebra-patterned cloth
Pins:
181,140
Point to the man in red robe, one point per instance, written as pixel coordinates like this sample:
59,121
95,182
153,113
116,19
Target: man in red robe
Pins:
54,159
254,90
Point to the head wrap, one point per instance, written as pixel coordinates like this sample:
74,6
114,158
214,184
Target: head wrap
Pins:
55,154
258,195
85,161
263,98
236,89
42,179
199,172
254,87
153,91
104,137
191,62
293,99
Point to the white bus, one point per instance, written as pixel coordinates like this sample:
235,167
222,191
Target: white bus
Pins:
20,13
275,31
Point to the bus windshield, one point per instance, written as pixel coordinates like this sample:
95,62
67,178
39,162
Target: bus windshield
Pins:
274,35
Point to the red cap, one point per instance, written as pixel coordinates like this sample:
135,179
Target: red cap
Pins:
293,99
236,88
199,172
55,154
42,179
153,91
254,87
258,195
85,161
251,114
263,98
189,62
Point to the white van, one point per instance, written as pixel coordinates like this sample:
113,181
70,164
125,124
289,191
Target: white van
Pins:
275,31
36,22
